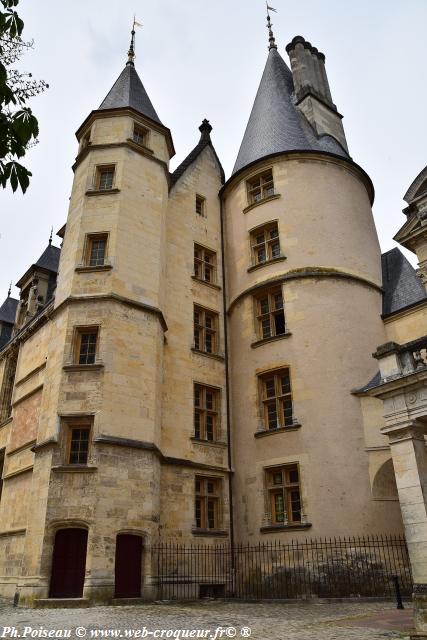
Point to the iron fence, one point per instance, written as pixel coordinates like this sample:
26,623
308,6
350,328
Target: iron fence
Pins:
323,568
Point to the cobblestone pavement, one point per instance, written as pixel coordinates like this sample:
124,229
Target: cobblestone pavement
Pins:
267,621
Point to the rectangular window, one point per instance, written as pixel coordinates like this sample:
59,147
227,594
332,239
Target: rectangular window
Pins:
276,398
105,178
207,503
96,247
86,346
139,135
204,264
78,450
206,413
205,330
6,391
1,469
265,243
260,187
200,205
284,496
270,315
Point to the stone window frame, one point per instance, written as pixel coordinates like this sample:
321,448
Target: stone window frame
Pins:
7,386
204,411
280,399
201,264
70,425
203,496
267,245
2,461
140,134
79,332
260,186
99,170
88,245
283,488
265,319
203,331
200,205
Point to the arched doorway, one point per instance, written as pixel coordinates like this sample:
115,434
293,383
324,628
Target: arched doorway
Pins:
128,569
68,563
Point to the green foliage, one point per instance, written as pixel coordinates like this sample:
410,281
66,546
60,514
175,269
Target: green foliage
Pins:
18,126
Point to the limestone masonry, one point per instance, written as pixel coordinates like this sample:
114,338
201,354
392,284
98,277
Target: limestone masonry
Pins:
194,364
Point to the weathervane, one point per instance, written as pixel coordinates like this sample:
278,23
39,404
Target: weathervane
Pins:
131,52
271,38
51,236
10,289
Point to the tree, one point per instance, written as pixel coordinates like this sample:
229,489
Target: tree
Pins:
18,126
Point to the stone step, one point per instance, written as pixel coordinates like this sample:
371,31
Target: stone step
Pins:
60,603
124,602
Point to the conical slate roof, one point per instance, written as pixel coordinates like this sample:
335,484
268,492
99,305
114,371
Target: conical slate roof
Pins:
128,91
8,310
275,124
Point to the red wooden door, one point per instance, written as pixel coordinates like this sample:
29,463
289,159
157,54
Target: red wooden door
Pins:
128,566
68,563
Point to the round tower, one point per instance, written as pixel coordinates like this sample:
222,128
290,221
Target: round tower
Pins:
304,299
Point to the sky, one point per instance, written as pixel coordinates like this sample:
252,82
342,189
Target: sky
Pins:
205,59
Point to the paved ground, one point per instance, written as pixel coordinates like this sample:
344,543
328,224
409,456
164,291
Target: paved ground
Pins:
266,621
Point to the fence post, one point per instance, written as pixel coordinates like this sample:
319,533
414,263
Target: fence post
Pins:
398,594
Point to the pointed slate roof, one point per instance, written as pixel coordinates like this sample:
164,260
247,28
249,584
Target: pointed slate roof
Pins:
128,91
8,310
205,141
275,124
48,260
402,287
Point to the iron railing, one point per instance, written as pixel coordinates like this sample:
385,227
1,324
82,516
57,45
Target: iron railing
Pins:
322,568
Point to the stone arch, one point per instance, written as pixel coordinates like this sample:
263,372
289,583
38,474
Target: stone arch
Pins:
384,483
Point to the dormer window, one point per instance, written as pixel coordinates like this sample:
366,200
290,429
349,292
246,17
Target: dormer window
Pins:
105,178
260,187
140,135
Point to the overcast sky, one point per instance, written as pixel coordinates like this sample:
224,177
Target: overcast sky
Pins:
205,59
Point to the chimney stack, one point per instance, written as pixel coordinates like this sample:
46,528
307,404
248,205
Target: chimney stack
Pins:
312,90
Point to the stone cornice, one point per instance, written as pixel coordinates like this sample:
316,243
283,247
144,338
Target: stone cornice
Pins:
129,443
304,272
323,156
114,298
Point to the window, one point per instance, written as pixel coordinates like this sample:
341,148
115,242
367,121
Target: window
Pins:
276,399
96,246
87,339
270,314
6,391
205,330
200,205
208,491
265,244
139,135
260,187
204,264
78,449
1,469
206,410
284,494
105,178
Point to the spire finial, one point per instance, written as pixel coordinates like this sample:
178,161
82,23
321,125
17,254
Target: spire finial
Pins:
51,236
271,37
10,289
205,128
131,52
